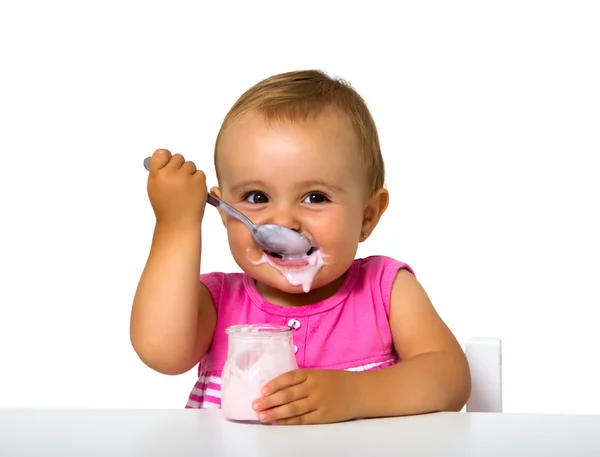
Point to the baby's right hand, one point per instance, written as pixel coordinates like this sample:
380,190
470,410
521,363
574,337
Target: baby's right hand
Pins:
176,189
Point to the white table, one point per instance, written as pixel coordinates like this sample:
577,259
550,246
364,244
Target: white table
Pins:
182,433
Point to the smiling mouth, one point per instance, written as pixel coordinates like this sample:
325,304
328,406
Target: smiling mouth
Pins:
279,256
291,261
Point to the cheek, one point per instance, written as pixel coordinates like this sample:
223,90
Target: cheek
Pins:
336,226
238,235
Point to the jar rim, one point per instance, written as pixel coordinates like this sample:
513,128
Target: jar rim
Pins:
259,330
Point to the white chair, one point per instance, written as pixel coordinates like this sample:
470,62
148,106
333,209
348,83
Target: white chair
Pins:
485,361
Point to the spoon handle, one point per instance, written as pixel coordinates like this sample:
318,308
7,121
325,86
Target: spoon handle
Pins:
220,204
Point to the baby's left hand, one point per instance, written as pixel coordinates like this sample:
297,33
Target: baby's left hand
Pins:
307,397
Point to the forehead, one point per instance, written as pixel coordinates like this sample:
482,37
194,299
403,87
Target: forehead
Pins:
325,147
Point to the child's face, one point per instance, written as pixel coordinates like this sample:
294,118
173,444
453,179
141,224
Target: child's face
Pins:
303,175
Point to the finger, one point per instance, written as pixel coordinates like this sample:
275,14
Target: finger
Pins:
159,159
284,381
200,176
294,409
311,417
177,160
189,167
281,397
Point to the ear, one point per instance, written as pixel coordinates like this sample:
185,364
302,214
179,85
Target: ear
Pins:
217,193
374,209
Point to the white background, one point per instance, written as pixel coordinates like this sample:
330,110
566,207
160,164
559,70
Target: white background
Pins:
489,116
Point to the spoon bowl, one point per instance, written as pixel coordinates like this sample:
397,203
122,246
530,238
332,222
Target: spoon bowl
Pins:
271,237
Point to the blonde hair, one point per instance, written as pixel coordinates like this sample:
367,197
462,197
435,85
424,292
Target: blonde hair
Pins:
300,95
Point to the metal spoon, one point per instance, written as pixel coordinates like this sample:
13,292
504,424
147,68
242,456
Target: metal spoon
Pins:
271,237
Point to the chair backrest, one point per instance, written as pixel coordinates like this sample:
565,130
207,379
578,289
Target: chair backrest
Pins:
485,361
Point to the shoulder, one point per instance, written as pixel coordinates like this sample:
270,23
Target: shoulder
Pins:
382,272
406,291
415,324
382,264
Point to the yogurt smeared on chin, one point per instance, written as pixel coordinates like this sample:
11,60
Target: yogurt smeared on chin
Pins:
298,270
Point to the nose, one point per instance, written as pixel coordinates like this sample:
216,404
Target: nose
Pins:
286,218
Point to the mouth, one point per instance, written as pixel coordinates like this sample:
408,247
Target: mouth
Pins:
291,261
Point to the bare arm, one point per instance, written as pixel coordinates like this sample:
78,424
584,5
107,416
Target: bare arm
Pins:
173,316
433,374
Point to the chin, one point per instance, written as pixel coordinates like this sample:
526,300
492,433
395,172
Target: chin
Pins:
273,278
271,269
287,288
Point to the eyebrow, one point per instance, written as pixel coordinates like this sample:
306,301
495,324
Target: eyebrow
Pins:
244,185
321,183
253,184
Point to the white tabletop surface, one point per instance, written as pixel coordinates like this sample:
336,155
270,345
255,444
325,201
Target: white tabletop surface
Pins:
182,433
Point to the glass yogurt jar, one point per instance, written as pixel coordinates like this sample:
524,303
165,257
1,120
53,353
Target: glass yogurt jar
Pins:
256,354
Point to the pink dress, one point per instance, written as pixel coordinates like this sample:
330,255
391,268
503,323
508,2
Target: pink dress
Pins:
347,331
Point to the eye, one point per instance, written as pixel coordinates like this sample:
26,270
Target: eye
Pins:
256,197
315,197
